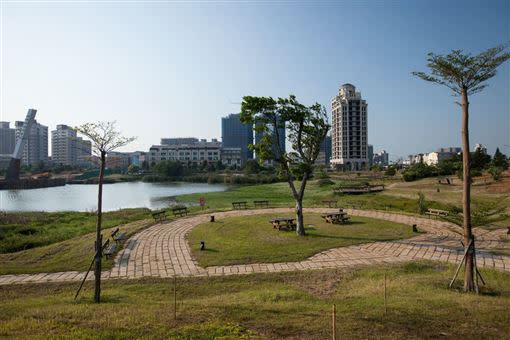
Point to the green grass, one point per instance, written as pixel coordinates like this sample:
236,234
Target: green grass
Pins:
69,255
21,231
279,195
271,306
252,239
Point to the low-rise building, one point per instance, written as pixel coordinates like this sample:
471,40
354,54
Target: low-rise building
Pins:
197,152
232,156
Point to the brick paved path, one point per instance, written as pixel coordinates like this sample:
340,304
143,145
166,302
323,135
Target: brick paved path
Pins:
163,251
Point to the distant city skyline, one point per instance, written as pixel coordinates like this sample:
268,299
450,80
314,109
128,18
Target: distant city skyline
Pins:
163,69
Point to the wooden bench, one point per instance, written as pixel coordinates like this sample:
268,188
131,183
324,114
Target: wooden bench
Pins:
117,236
109,248
284,222
336,217
180,211
159,216
261,204
330,203
437,212
240,205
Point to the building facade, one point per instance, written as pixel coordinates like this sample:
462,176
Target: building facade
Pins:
197,152
35,150
235,134
233,157
278,138
69,149
349,130
7,139
381,158
324,156
370,155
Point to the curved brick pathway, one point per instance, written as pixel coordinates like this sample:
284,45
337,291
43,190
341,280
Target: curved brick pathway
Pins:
163,251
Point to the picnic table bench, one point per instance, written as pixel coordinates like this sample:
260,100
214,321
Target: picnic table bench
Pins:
284,222
330,203
240,205
180,211
117,235
159,216
336,217
261,204
437,212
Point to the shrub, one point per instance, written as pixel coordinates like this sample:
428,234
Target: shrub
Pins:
495,172
325,182
422,204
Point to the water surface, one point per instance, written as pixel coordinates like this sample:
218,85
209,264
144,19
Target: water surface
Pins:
83,197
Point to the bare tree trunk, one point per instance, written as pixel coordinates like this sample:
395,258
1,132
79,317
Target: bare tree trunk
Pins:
466,195
300,227
99,241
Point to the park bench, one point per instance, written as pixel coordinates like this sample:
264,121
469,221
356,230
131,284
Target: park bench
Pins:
336,217
437,212
109,248
159,216
330,203
240,205
261,204
180,211
117,235
284,222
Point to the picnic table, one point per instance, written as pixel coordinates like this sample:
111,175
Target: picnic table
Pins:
330,203
284,222
336,217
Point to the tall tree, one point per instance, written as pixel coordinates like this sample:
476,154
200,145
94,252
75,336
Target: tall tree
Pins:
465,75
499,160
307,127
105,138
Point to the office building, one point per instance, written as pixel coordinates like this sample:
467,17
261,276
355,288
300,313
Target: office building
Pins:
35,150
69,149
324,156
370,155
235,134
179,141
278,139
381,158
233,157
349,131
7,139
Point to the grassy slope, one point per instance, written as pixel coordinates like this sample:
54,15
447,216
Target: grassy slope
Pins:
252,239
70,255
274,306
19,231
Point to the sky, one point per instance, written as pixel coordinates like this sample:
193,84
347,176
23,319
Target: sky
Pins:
173,69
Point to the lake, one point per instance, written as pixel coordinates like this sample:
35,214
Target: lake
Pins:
83,197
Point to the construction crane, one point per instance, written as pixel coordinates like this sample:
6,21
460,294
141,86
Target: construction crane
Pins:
15,163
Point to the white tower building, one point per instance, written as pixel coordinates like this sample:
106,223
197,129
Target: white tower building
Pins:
349,131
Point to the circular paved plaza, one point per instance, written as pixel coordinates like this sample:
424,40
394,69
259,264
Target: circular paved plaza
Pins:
162,250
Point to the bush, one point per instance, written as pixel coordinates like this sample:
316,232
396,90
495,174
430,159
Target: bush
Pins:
495,172
422,204
325,182
390,171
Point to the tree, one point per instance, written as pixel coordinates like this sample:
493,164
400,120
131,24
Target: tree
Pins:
499,160
133,168
251,167
465,75
495,172
105,138
307,126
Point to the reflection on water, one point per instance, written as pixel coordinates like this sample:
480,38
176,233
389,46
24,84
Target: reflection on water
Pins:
81,197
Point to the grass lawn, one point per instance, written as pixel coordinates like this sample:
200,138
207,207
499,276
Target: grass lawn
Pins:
26,230
251,239
70,255
265,306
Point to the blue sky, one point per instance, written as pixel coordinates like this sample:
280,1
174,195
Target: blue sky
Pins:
165,69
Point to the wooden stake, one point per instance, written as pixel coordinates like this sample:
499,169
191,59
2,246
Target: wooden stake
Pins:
385,303
460,264
175,297
334,322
